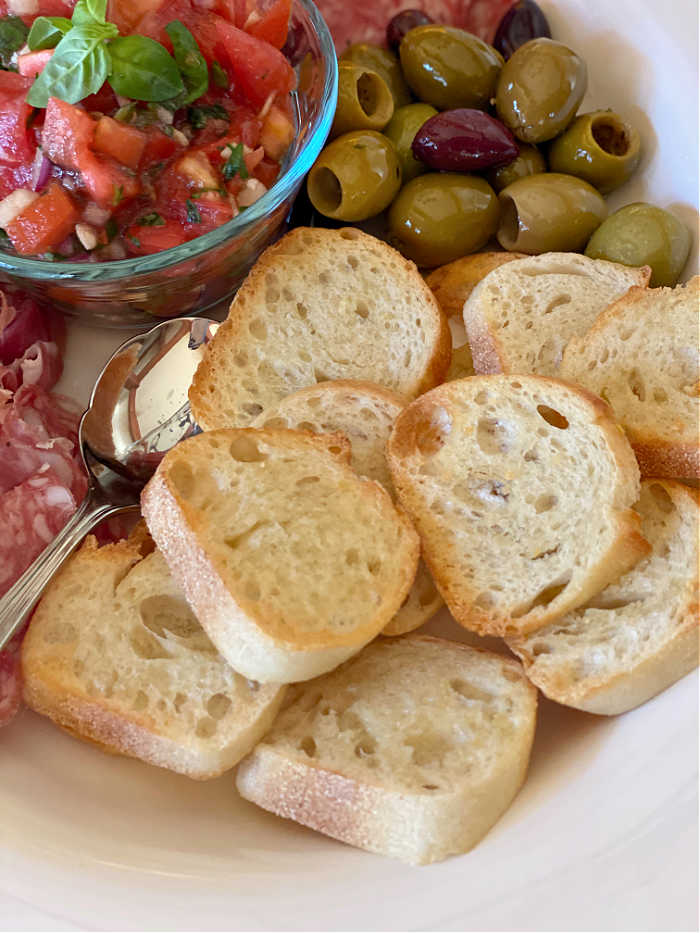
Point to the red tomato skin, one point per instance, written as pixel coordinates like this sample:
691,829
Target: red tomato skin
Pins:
44,223
67,135
123,143
159,148
17,145
143,241
13,177
32,64
274,25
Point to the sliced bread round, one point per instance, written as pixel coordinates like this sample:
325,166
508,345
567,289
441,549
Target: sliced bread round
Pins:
521,489
521,316
639,635
642,357
453,284
413,749
114,655
321,305
364,413
290,561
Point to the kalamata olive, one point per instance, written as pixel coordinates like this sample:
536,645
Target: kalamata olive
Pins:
464,140
523,21
402,23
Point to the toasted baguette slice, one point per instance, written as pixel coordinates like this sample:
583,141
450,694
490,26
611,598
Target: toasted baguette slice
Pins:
641,356
453,284
520,488
522,315
638,636
115,656
290,561
321,305
413,749
364,413
462,364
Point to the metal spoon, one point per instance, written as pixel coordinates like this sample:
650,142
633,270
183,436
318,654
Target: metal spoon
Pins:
138,411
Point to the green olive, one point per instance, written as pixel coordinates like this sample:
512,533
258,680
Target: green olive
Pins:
448,67
643,235
530,161
539,90
402,131
357,176
441,216
364,100
549,213
598,147
385,64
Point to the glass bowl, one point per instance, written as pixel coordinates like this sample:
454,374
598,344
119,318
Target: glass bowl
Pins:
131,293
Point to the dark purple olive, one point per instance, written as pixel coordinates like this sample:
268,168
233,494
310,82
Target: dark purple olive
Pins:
523,21
402,23
464,141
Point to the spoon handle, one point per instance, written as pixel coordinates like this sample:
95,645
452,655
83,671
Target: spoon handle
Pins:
19,600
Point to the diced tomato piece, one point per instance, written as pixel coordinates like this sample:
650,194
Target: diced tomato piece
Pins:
17,145
142,241
67,135
159,147
235,11
32,64
123,143
127,13
104,101
44,223
13,177
273,25
267,172
277,133
108,183
213,212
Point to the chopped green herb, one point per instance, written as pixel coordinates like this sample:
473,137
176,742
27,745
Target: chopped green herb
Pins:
168,130
190,61
117,194
134,239
151,220
219,75
111,228
193,215
235,164
155,169
198,116
126,113
5,240
13,35
47,32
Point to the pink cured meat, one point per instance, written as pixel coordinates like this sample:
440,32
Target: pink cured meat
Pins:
23,323
10,685
367,22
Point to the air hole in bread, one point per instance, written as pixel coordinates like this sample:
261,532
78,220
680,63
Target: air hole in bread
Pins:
366,747
163,614
350,722
545,597
140,701
494,492
302,310
361,310
530,456
306,426
258,329
353,262
253,409
470,691
374,566
430,787
320,376
660,396
553,417
485,600
308,746
510,675
349,233
408,356
431,430
352,557
305,357
495,436
545,503
218,705
558,302
610,603
662,499
482,398
427,748
179,701
245,450
324,278
182,478
206,727
308,480
540,647
287,294
60,633
272,296
276,423
550,552
636,384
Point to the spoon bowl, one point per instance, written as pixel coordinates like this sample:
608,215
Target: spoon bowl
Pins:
138,411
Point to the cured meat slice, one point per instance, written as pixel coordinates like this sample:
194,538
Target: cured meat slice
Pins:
367,22
10,685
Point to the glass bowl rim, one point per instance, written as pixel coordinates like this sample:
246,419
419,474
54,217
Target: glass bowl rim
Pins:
41,270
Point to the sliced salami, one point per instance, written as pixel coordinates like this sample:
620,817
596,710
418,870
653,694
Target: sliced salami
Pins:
368,22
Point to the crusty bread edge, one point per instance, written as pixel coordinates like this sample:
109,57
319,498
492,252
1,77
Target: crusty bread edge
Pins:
415,828
626,550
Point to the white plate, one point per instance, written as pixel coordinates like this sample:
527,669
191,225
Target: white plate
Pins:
604,834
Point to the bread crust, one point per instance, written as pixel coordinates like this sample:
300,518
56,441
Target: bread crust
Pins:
453,284
627,547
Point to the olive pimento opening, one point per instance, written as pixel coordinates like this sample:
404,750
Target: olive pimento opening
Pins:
325,189
611,135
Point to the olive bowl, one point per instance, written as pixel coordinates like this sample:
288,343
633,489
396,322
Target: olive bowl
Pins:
202,273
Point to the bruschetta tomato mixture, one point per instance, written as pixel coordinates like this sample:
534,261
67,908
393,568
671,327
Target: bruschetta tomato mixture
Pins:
133,127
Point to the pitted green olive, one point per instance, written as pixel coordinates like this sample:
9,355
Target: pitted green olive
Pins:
598,147
402,130
364,100
530,161
449,68
539,90
644,235
549,213
441,216
357,176
385,64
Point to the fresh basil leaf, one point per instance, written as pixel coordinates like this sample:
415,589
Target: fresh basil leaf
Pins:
190,61
79,66
47,32
111,229
13,35
193,215
90,12
143,69
235,164
117,194
151,220
219,75
197,116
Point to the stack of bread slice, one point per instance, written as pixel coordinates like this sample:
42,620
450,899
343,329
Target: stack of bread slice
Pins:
353,473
